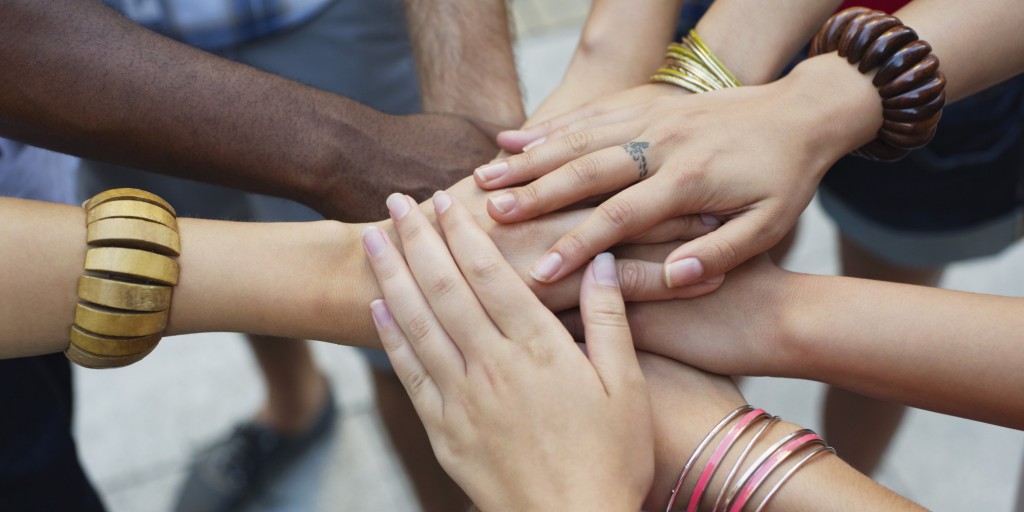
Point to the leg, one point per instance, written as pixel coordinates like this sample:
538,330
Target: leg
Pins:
436,491
296,390
860,428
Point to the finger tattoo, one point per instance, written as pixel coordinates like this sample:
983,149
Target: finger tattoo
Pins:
636,151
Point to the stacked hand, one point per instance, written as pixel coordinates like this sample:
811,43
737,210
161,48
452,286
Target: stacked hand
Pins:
480,355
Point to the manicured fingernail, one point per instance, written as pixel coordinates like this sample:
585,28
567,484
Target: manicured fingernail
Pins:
398,205
491,171
604,270
547,267
503,202
710,220
442,201
373,241
534,144
684,271
381,313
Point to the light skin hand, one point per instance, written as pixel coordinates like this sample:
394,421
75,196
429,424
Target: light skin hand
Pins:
749,158
480,355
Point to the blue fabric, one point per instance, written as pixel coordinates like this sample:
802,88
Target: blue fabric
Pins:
213,24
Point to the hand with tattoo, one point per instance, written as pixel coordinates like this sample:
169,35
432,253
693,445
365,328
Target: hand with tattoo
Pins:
746,161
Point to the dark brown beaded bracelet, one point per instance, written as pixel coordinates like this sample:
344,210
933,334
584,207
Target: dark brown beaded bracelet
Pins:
912,88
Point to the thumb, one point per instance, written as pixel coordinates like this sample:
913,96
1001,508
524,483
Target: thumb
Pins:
609,342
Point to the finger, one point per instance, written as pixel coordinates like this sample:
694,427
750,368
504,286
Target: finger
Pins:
605,328
508,301
682,228
524,139
442,284
628,213
438,353
720,251
422,390
543,159
605,171
643,281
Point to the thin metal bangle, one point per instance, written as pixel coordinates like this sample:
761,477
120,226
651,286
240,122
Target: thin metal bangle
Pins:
719,454
772,464
700,448
760,460
793,470
743,456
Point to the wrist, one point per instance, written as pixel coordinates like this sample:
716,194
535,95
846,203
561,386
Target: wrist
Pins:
840,107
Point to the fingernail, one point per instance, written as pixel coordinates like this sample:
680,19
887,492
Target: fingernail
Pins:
373,241
398,205
710,220
684,271
492,171
604,270
381,313
714,280
503,202
534,144
547,267
442,201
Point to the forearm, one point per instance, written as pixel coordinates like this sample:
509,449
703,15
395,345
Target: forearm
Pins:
81,79
978,43
464,59
304,280
951,352
755,40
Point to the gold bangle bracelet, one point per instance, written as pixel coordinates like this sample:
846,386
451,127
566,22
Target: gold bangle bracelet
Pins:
690,64
124,295
128,209
125,303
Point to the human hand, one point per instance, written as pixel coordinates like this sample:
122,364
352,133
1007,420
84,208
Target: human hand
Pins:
414,155
522,243
514,141
749,158
517,414
738,330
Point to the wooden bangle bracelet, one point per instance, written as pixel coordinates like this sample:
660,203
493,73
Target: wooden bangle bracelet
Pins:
124,306
908,79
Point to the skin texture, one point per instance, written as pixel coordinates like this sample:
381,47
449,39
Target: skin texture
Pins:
81,79
478,353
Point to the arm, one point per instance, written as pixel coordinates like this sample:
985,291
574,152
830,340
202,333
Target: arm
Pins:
464,60
299,280
80,79
750,157
951,352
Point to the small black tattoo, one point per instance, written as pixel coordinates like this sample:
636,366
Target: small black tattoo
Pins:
636,150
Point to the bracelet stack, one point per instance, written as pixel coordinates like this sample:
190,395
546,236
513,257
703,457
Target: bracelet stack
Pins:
130,271
694,67
738,490
908,77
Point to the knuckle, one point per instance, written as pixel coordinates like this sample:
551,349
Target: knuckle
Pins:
572,243
443,284
632,278
583,171
523,162
619,215
724,253
538,351
528,196
578,142
606,314
420,326
485,270
416,382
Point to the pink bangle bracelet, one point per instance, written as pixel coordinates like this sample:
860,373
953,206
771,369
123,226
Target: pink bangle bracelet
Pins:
778,485
739,462
716,457
700,449
778,457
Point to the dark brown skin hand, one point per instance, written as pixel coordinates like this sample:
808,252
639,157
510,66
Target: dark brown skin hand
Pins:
415,155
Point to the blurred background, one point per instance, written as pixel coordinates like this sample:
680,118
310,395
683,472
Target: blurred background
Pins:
138,427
